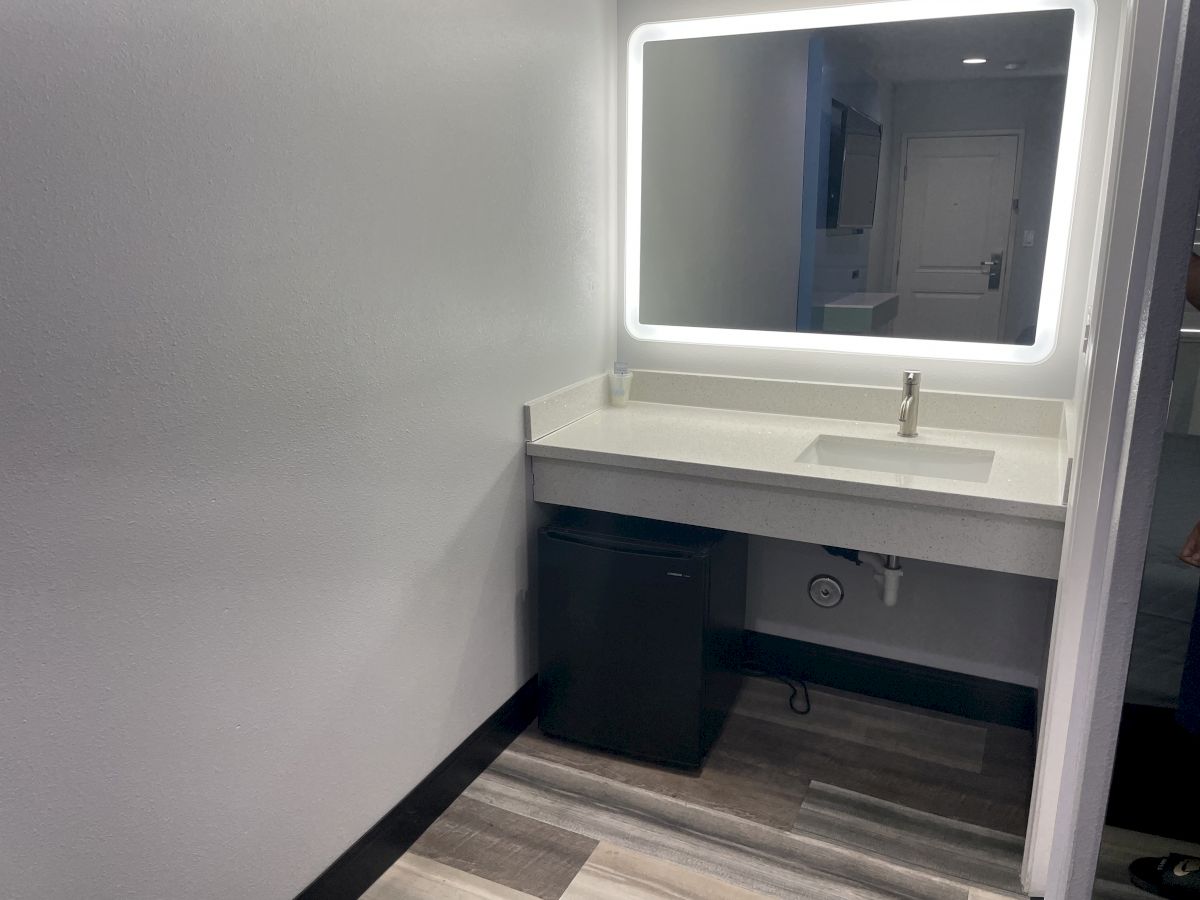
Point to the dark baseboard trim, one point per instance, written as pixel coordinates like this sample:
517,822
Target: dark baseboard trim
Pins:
962,695
372,854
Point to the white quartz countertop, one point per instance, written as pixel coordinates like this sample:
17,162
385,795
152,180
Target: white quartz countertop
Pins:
762,448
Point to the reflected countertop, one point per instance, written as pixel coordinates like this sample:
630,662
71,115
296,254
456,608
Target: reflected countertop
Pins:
861,300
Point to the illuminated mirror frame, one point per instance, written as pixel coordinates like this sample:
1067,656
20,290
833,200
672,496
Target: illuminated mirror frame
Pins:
1066,175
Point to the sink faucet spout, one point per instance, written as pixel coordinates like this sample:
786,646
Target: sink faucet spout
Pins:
910,404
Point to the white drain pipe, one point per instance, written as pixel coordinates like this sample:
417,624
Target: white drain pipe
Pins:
887,575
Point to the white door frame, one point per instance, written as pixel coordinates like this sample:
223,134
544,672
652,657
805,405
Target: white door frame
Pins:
1122,415
902,192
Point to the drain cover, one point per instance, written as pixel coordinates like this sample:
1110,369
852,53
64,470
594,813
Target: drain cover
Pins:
825,590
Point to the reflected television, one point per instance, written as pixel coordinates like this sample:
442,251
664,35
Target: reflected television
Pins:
854,146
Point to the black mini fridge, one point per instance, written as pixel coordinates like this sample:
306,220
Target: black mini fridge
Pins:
640,629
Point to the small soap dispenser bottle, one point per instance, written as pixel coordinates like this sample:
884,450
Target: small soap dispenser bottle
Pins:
620,380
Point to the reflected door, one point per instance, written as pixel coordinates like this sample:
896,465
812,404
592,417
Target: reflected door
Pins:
955,235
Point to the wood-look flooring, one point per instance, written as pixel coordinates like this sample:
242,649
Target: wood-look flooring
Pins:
859,800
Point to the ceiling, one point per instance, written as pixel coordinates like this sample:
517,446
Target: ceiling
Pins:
933,49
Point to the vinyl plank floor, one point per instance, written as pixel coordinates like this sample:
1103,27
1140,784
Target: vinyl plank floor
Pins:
1118,849
614,872
1010,754
946,740
744,853
414,877
998,800
741,786
860,800
511,850
837,808
978,856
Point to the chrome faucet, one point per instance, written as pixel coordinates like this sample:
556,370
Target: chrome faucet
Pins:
910,404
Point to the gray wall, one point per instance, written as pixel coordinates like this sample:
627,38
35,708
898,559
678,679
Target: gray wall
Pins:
723,172
963,620
276,279
1032,104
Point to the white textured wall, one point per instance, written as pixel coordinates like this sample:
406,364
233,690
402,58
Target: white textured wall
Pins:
274,281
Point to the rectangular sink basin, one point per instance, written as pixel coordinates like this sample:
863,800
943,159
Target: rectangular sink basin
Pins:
899,457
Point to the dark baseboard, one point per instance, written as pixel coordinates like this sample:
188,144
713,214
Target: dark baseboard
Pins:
372,854
962,695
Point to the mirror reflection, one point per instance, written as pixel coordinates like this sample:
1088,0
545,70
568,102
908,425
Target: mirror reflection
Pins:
891,179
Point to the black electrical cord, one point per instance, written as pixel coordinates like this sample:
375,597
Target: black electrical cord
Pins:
797,687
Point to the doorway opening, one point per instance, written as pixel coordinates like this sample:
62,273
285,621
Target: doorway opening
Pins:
1153,797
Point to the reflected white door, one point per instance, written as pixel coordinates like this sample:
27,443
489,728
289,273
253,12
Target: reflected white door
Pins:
955,235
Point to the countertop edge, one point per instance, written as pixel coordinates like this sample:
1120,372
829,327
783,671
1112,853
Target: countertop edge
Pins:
1021,509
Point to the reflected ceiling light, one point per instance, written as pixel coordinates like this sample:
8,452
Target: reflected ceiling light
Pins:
1013,66
974,61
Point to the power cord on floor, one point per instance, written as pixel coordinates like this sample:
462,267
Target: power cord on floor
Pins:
798,687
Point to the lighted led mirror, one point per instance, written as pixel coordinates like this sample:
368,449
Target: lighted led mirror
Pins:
886,177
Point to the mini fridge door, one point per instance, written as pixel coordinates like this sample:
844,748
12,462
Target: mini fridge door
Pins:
621,629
